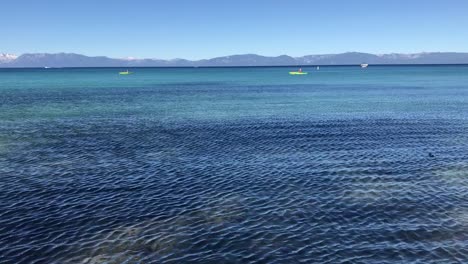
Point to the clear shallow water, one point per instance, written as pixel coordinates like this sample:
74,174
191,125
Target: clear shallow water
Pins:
243,165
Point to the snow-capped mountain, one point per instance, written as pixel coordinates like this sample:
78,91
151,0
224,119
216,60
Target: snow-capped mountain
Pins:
6,57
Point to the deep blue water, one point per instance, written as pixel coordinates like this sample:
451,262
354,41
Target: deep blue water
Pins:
234,165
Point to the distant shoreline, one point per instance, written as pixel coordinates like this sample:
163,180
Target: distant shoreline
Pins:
73,60
263,66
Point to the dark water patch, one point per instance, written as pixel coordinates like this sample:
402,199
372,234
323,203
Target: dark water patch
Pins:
148,191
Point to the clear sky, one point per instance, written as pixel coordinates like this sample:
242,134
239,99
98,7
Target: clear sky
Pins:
195,29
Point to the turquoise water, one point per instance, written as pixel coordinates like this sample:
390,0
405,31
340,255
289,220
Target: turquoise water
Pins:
234,165
235,93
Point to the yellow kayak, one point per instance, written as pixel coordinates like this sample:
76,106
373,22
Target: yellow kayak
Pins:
125,72
297,73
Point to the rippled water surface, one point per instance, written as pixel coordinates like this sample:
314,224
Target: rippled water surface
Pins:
234,165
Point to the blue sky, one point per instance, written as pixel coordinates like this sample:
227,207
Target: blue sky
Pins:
196,29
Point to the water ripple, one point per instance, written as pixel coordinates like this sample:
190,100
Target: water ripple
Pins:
274,191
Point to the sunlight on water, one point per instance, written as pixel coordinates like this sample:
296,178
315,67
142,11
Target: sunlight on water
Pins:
455,175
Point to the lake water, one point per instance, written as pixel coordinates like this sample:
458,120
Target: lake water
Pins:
234,165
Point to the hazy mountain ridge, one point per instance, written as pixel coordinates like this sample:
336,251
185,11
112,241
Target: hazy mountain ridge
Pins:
348,58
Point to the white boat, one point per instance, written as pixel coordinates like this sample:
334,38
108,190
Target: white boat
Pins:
364,65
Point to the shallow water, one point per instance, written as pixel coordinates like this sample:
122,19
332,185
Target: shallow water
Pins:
240,165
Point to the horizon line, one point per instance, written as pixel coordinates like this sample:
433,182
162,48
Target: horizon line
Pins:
258,66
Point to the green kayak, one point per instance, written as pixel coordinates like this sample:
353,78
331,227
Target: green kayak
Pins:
297,73
125,72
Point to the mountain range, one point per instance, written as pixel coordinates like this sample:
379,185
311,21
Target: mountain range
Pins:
348,58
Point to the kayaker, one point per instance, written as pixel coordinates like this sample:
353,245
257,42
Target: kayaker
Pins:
300,70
